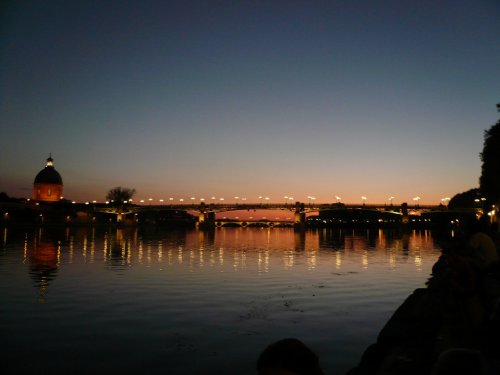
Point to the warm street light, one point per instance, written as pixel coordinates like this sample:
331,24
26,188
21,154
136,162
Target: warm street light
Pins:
338,198
363,198
416,199
478,200
311,198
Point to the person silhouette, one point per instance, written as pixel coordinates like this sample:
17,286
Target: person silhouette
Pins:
288,356
480,246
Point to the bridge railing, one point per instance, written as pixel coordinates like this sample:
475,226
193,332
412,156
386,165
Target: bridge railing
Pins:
282,206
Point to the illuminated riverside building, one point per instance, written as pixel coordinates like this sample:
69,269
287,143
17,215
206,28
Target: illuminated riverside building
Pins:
48,185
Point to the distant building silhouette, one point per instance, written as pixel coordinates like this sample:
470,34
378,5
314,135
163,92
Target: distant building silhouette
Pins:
48,185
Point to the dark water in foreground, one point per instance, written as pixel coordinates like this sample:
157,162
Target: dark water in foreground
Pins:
193,302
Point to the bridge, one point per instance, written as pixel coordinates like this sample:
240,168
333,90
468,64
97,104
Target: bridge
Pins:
224,207
206,213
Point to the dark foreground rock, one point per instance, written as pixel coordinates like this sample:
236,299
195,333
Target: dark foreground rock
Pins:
450,327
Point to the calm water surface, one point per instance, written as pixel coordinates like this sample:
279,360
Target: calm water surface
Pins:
89,300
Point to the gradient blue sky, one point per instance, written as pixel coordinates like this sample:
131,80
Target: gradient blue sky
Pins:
248,98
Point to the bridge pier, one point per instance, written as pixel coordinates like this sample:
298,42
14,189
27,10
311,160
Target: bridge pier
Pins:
206,219
299,223
404,210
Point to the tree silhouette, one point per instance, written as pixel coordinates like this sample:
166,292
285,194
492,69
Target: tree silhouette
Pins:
118,195
489,182
465,199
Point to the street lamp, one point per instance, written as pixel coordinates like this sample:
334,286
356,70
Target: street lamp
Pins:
416,199
444,200
311,198
483,201
391,198
363,198
338,198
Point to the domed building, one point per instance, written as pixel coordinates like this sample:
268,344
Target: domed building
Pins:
48,185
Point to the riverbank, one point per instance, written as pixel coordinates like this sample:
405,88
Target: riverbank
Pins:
450,327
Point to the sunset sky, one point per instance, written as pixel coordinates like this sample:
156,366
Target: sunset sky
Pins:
249,98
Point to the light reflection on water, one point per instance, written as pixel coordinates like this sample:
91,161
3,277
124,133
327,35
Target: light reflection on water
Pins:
190,301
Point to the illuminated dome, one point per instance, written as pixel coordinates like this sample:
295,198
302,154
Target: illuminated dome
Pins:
48,183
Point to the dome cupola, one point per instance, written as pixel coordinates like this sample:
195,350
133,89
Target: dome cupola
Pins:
48,183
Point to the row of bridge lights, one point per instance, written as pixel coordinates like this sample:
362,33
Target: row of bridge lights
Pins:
288,199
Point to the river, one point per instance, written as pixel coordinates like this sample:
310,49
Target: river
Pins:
186,301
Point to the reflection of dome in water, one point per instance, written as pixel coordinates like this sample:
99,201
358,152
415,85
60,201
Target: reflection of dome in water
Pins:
44,262
48,185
